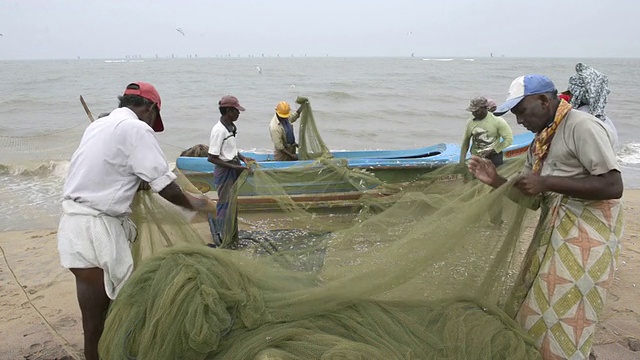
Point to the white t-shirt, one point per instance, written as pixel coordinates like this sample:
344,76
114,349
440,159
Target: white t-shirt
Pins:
223,142
115,152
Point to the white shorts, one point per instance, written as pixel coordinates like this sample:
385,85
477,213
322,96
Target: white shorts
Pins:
87,239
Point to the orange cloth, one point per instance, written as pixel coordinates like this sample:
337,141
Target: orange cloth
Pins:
543,138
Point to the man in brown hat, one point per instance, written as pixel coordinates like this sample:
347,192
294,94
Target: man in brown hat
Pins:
223,153
489,134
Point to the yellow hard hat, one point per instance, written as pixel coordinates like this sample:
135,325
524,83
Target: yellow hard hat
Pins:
283,109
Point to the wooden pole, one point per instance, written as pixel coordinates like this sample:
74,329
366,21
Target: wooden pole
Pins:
86,109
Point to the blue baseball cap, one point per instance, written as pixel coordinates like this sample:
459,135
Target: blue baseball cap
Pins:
525,86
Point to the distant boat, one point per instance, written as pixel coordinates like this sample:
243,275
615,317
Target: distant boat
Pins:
437,59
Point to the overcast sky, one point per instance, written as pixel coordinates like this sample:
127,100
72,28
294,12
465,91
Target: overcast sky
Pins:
55,29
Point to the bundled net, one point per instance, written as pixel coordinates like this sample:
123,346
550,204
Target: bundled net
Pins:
419,273
311,144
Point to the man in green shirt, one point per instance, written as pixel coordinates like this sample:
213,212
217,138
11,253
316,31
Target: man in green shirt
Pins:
489,134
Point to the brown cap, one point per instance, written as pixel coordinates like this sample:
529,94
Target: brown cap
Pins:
230,101
478,103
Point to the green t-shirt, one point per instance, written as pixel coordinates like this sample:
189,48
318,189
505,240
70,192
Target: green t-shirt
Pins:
490,133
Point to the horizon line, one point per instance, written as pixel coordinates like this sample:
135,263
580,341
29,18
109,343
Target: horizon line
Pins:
225,57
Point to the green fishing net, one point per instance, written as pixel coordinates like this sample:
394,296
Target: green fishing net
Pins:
311,144
402,271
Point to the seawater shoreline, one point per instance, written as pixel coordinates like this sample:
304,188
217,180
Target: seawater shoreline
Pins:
359,103
32,195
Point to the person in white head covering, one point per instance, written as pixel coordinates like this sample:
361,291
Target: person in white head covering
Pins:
589,91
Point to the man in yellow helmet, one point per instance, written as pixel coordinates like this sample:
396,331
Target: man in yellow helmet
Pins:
281,130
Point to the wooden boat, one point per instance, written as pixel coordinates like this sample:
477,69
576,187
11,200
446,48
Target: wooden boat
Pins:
424,152
388,166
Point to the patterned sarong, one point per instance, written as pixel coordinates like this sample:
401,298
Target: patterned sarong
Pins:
227,223
567,273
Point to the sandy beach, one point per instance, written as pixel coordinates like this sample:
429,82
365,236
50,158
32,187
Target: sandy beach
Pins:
40,318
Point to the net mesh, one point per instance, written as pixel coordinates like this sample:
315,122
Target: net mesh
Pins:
415,271
48,140
311,144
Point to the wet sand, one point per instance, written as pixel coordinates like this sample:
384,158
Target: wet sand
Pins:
40,318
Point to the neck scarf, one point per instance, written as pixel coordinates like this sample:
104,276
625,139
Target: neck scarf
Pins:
288,131
543,139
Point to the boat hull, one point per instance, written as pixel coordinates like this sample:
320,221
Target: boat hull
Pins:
308,186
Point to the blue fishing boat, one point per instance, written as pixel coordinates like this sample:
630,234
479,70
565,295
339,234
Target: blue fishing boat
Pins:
388,166
424,152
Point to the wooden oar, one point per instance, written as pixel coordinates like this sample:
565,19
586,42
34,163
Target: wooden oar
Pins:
86,109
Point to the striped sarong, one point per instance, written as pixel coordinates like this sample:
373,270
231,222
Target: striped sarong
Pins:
226,220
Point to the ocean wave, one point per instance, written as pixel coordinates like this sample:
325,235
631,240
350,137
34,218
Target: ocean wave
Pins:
56,169
337,95
26,102
629,154
257,150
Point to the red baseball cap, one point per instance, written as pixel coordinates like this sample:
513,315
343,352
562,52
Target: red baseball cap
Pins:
150,93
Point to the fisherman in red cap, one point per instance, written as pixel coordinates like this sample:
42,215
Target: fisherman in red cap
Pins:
117,154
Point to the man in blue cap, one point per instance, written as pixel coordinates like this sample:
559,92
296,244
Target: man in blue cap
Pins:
571,172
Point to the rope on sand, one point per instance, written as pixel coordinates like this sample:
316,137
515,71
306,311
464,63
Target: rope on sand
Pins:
65,343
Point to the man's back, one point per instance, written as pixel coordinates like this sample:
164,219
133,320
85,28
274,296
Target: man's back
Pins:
114,154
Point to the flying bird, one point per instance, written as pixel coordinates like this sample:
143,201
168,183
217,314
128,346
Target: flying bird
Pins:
180,31
259,69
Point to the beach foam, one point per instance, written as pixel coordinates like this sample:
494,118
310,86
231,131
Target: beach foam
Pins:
629,154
